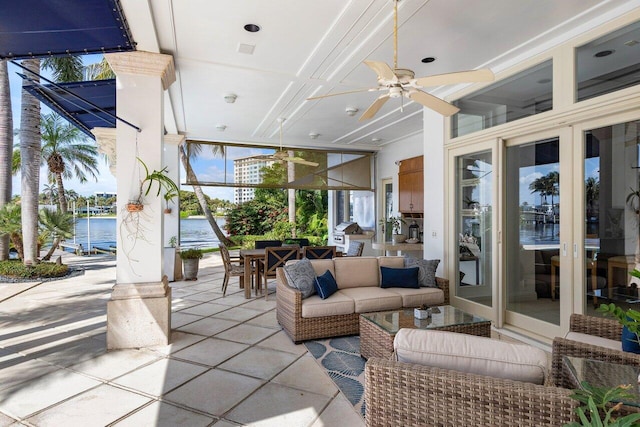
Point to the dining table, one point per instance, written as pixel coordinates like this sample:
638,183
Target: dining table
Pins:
251,257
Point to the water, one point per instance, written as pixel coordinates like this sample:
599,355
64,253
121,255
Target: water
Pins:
193,232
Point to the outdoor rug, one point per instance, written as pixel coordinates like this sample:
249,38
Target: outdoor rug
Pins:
340,357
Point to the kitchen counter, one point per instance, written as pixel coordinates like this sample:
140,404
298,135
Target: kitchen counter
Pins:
397,247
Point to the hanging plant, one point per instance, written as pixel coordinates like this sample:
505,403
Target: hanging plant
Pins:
156,177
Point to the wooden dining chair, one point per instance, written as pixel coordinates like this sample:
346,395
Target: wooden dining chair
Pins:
319,252
274,258
232,267
261,244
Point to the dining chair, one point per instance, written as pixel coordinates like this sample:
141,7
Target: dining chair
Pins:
274,258
300,241
319,252
232,267
261,244
355,248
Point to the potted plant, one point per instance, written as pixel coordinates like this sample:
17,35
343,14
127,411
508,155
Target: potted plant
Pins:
599,407
422,312
396,224
190,262
169,254
158,177
168,198
630,321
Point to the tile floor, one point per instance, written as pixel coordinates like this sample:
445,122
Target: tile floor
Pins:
228,364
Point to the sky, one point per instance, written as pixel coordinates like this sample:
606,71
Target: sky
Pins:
205,171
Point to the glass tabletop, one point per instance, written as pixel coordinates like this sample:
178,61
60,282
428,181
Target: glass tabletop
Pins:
604,374
441,317
618,293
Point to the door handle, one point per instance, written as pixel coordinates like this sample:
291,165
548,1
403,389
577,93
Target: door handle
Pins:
564,249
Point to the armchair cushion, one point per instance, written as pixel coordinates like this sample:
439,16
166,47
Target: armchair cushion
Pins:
471,354
301,276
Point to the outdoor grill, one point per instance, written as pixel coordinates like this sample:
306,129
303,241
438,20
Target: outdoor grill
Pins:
345,228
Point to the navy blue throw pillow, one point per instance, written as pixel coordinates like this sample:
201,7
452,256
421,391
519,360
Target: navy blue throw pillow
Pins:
326,285
399,277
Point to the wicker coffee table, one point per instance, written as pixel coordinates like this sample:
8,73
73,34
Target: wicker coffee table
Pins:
378,329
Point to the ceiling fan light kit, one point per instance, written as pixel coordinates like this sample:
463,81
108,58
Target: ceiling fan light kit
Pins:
399,82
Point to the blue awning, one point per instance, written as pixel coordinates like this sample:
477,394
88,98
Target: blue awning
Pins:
38,28
84,104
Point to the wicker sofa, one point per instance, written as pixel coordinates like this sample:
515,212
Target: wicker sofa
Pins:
594,326
358,280
405,394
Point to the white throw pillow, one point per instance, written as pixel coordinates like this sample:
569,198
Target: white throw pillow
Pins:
471,354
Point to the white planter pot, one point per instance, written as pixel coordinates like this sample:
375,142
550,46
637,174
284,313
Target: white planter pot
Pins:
168,258
398,238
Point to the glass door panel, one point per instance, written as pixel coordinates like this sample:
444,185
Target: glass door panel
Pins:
612,202
473,227
532,229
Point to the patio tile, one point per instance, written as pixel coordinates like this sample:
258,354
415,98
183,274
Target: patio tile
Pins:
6,421
215,391
26,398
246,334
183,292
207,326
259,362
179,340
89,408
205,296
233,299
340,412
75,351
205,309
305,374
275,405
16,368
260,304
161,376
115,363
162,414
223,423
210,351
180,319
267,320
178,304
281,341
239,314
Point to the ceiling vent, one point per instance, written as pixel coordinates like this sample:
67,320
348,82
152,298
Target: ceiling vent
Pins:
246,48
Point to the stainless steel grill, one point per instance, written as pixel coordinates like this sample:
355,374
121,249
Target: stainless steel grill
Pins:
345,228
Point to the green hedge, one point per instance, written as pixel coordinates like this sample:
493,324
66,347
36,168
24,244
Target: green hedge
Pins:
16,269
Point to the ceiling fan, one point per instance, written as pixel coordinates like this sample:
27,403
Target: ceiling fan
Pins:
400,82
283,156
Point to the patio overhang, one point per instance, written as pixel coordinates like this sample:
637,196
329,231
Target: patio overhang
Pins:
36,28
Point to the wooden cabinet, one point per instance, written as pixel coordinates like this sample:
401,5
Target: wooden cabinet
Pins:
411,186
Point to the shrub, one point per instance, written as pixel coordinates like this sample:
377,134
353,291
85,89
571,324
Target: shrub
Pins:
193,253
16,269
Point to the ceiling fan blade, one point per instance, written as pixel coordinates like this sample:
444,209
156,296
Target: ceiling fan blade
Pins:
433,102
342,93
373,108
301,161
383,70
483,75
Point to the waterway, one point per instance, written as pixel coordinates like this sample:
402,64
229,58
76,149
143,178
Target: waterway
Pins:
194,232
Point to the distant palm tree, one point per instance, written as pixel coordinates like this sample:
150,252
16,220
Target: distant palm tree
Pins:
67,154
11,226
99,71
592,193
6,148
50,192
539,186
195,149
64,68
58,224
30,155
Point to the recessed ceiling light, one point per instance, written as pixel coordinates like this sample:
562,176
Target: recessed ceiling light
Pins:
313,135
221,128
376,140
252,28
604,53
351,111
428,59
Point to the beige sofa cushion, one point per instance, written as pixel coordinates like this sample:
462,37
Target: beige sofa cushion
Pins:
594,340
391,261
322,265
372,299
471,354
335,305
417,297
354,272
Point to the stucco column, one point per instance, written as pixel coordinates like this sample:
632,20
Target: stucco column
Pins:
139,311
171,160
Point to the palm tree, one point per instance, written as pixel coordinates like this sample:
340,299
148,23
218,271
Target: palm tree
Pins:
11,226
552,182
64,68
539,186
592,193
58,224
67,154
99,71
6,150
30,155
50,192
195,149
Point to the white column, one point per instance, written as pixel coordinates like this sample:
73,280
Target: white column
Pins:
172,265
139,311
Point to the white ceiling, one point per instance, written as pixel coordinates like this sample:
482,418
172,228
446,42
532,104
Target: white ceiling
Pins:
312,47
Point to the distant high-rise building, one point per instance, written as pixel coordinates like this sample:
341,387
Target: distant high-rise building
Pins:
248,170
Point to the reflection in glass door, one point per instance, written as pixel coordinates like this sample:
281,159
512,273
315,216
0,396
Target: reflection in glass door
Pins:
612,222
532,229
473,217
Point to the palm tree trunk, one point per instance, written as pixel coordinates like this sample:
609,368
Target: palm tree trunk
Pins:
62,200
54,246
16,239
6,150
203,202
30,153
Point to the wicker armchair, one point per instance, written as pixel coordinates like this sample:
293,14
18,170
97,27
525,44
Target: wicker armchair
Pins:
403,394
591,325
